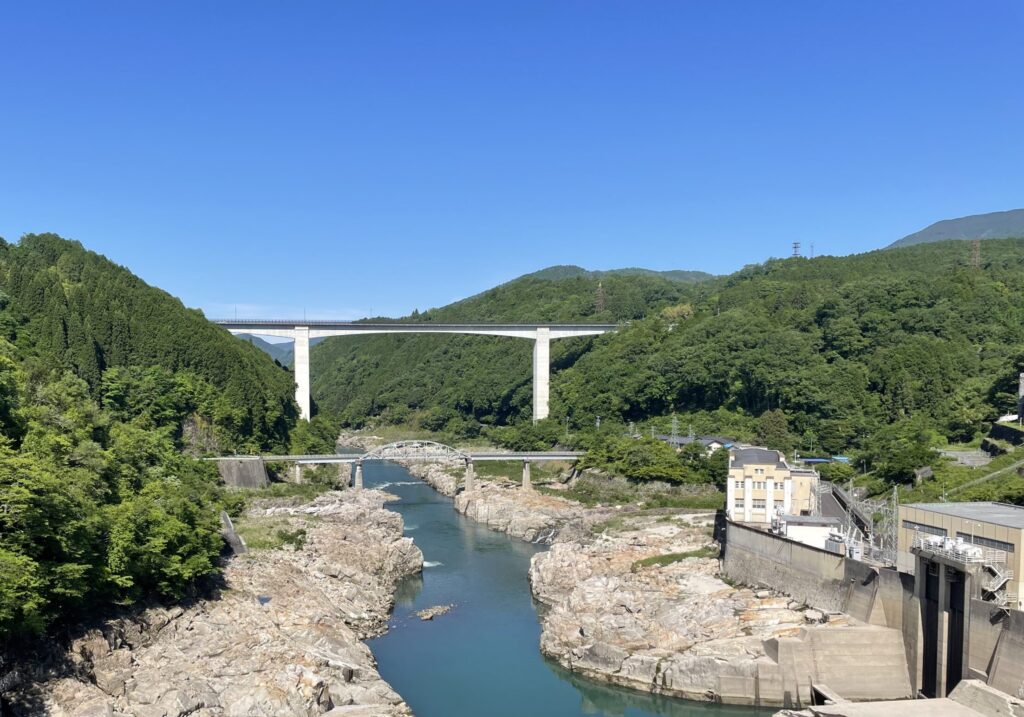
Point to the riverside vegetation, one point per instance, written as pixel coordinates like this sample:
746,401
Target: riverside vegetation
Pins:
107,388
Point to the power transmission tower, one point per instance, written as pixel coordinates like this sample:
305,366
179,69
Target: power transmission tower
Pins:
675,429
796,249
599,299
812,250
976,254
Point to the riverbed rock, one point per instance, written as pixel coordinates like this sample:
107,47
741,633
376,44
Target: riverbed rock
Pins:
431,612
672,628
282,636
442,477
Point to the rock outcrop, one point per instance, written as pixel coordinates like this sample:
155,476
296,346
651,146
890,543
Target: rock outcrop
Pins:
281,636
639,604
440,476
525,514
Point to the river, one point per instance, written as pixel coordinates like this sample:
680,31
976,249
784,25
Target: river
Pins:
482,658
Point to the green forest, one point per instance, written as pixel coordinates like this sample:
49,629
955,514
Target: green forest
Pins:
108,388
882,354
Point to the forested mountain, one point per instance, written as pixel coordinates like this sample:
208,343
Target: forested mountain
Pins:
105,385
994,225
280,352
826,354
568,271
461,382
76,310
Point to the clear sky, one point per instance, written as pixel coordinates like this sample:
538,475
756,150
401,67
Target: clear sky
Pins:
345,158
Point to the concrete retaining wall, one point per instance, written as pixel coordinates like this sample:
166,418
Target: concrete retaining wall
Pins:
986,624
243,473
1010,434
810,575
1007,673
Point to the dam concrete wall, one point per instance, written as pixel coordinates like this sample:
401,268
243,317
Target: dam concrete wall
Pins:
811,575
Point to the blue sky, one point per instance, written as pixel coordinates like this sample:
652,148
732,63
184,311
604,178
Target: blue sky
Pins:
345,158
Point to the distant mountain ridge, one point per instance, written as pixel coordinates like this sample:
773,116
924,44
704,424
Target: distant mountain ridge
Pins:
571,271
282,352
994,225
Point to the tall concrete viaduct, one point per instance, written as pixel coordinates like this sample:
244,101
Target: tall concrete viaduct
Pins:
302,331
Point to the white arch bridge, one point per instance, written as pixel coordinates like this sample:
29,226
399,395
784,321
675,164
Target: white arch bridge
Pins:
302,331
415,451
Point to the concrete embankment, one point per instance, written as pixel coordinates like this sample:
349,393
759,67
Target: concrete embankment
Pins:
282,635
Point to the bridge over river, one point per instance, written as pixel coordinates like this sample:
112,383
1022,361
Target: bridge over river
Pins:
414,451
302,331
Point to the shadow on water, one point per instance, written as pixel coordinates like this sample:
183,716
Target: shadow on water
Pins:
483,657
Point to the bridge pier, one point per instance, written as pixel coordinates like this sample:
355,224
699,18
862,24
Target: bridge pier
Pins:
541,373
470,476
301,360
358,484
297,473
527,485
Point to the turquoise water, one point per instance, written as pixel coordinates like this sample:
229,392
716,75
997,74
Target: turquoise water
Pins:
482,658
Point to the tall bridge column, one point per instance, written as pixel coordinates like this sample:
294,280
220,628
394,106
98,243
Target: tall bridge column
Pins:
541,373
527,485
301,359
358,482
470,476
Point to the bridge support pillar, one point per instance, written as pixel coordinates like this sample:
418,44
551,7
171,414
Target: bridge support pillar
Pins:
470,476
301,358
358,483
541,373
297,473
527,485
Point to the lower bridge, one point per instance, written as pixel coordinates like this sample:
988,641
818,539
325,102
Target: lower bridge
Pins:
415,451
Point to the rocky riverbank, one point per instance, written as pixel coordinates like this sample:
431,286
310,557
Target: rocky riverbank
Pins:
281,635
634,597
640,603
503,506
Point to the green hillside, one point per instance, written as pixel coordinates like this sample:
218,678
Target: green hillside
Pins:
569,271
993,225
880,353
106,384
463,382
280,352
76,310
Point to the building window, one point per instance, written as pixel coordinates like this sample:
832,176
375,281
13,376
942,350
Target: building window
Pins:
757,504
759,471
739,503
987,542
739,485
922,528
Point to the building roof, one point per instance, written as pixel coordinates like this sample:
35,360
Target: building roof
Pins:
810,520
1010,516
757,456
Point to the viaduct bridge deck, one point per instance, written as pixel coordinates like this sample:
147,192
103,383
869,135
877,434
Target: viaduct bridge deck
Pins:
416,450
315,459
302,331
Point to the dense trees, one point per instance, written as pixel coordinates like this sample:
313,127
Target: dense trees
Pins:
105,385
78,311
834,354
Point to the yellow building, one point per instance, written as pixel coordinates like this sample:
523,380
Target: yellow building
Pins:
762,485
